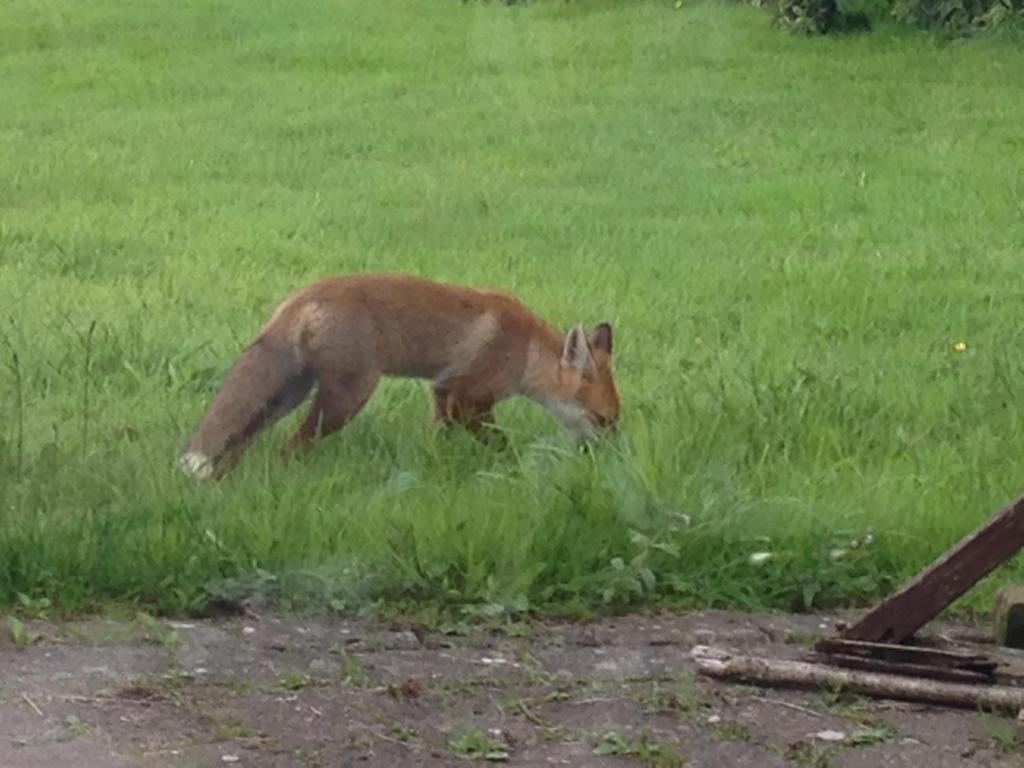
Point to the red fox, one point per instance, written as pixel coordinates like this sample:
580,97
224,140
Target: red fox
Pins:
343,333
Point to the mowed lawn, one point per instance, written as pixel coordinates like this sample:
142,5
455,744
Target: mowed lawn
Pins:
810,249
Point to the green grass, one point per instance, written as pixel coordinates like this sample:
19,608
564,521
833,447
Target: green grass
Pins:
788,234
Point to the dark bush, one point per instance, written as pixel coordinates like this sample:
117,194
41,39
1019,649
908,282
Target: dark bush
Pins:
958,17
951,17
817,17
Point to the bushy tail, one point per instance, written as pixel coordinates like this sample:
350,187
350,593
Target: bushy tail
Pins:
267,380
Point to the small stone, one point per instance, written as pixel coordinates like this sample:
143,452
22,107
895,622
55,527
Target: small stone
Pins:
714,720
493,660
229,758
563,678
830,735
704,636
405,640
588,638
248,630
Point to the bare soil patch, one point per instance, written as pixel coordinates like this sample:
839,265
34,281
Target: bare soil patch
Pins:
276,691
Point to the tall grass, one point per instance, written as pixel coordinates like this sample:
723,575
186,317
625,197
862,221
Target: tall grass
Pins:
790,236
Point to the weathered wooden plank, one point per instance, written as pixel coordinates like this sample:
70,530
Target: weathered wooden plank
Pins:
924,596
722,664
927,671
908,654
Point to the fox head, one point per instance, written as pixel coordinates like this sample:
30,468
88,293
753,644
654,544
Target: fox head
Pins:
590,401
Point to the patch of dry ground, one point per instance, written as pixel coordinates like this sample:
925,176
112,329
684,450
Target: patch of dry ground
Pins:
287,692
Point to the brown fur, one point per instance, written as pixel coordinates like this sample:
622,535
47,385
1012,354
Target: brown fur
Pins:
344,333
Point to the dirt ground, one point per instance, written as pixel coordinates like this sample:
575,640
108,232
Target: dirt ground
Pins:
271,691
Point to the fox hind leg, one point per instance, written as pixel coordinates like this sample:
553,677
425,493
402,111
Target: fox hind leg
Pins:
340,396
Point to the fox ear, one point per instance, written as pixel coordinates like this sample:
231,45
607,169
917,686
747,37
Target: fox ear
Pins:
601,337
576,352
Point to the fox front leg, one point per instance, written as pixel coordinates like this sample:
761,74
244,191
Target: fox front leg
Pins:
476,416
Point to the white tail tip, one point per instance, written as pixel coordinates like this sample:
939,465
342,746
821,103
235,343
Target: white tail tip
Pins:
197,465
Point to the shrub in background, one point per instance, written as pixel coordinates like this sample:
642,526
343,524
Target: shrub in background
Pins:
949,17
817,17
958,17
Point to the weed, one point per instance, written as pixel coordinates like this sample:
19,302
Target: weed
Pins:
311,757
642,746
406,689
876,735
76,727
729,731
169,688
352,671
403,732
802,637
242,684
295,680
842,703
154,632
473,742
20,634
516,629
812,755
33,607
230,728
681,696
551,733
1005,733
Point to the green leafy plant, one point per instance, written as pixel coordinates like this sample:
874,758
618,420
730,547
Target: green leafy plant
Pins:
155,632
20,634
729,731
812,755
352,671
76,727
1005,733
230,728
681,697
34,607
642,746
867,736
473,742
294,680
